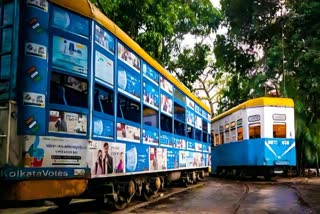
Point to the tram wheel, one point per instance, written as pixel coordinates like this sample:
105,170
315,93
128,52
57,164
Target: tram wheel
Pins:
62,202
120,205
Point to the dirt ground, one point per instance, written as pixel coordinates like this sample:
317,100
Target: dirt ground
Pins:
308,189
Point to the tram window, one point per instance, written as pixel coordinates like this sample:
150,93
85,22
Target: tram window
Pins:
179,112
254,131
217,139
150,117
240,133
179,128
198,135
128,109
204,137
204,125
103,100
279,130
68,90
212,138
222,138
190,131
166,123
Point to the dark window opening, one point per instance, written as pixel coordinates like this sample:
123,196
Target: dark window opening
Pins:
190,131
179,128
128,109
166,123
179,112
198,135
204,137
150,117
103,100
68,90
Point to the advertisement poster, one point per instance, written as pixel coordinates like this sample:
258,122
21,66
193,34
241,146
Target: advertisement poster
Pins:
70,22
33,99
166,140
198,122
129,57
39,4
128,133
166,104
157,158
69,55
33,49
191,145
150,95
67,122
150,137
108,158
190,117
166,85
179,143
129,82
150,73
198,109
190,159
104,39
102,128
199,146
104,68
173,159
137,158
55,152
190,103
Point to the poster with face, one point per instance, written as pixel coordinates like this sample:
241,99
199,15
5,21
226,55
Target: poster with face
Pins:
166,104
107,158
157,158
67,122
104,39
129,57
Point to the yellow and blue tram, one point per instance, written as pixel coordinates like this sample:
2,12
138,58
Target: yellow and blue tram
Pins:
85,110
255,138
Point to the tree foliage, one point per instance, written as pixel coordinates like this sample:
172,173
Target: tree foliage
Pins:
160,26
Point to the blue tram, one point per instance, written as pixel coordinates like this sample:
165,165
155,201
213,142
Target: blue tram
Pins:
85,111
255,138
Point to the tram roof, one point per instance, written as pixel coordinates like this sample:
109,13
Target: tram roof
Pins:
258,102
88,9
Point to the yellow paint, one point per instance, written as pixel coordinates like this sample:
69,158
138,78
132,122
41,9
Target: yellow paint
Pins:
42,189
86,8
258,102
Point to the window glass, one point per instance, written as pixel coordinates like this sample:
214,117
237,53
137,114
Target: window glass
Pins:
240,133
8,14
166,123
254,131
128,109
279,130
150,117
179,112
6,40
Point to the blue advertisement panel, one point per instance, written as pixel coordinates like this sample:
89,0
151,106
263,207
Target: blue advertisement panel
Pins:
198,122
190,103
104,39
137,157
69,55
166,139
129,82
173,158
179,143
34,72
166,85
104,68
157,158
150,137
129,57
70,22
191,145
102,128
150,73
198,109
166,104
150,95
191,159
190,117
